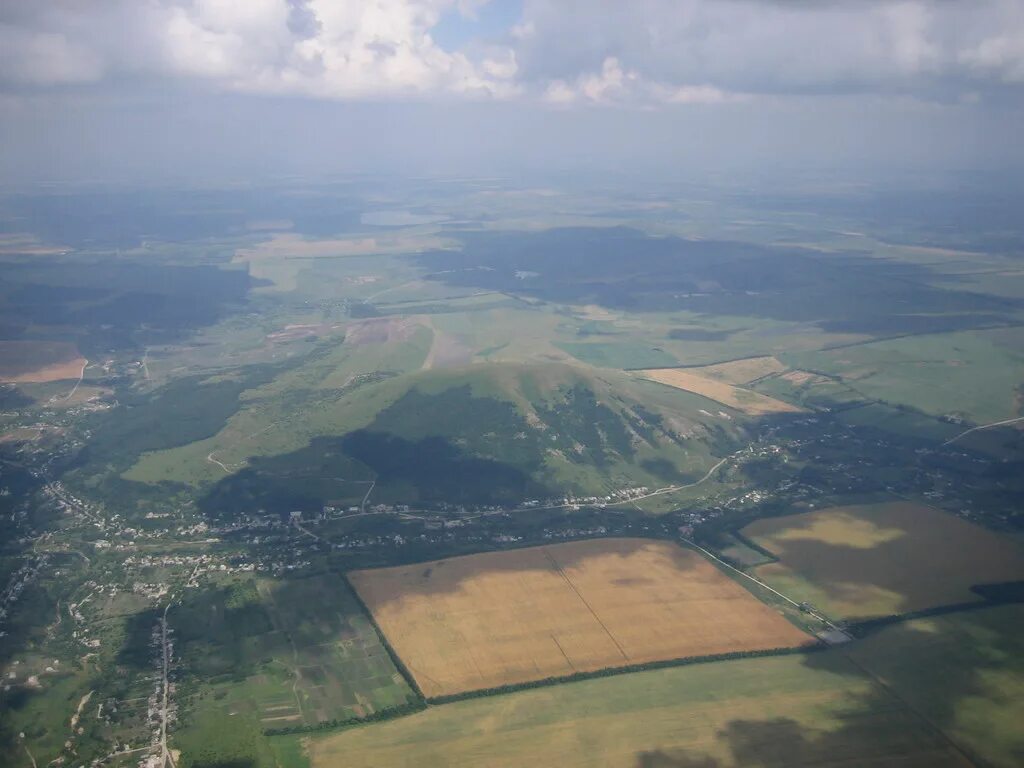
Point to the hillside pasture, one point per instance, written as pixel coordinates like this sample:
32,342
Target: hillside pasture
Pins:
743,400
39,361
501,618
882,559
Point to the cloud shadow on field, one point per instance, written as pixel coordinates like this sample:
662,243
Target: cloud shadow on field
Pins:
921,676
881,560
625,268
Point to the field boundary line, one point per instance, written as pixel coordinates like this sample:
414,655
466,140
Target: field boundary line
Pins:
561,572
823,619
943,736
864,627
815,646
400,665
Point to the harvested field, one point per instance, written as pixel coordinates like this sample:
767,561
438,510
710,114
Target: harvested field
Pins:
39,361
381,330
301,331
742,371
501,618
744,400
801,378
883,559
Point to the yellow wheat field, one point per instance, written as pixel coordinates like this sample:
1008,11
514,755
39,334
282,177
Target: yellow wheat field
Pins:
499,618
744,400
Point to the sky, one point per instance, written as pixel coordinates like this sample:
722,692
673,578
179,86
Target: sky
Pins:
121,90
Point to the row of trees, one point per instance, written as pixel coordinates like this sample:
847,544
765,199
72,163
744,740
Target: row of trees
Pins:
609,671
408,708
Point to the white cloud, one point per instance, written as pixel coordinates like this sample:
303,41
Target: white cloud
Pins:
605,52
999,55
321,48
613,85
707,50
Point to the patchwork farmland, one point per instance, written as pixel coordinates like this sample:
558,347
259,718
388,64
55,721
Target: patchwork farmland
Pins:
502,618
882,559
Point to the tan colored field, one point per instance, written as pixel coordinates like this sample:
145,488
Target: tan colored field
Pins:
497,618
883,559
39,361
741,371
744,400
800,378
381,330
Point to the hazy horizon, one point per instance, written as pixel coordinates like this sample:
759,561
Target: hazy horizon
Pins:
172,91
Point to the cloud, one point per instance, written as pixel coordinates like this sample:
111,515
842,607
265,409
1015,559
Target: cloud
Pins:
45,58
565,52
320,48
614,85
707,50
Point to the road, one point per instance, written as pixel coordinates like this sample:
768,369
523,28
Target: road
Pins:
966,432
308,532
362,506
674,488
659,492
209,458
81,376
823,619
165,754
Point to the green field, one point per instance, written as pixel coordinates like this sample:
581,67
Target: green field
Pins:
282,654
963,673
706,715
963,374
919,694
873,560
